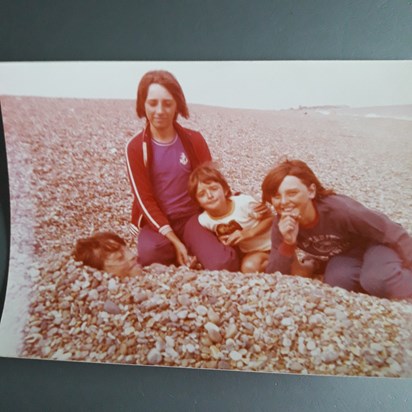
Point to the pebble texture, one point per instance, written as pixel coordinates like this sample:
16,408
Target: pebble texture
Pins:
215,319
68,179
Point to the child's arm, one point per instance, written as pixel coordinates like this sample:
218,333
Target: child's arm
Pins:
261,211
240,235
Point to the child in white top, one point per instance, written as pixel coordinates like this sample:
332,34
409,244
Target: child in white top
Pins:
235,219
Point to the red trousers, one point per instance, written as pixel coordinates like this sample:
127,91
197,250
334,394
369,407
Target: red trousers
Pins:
210,252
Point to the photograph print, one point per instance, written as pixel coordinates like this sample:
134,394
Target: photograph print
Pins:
243,216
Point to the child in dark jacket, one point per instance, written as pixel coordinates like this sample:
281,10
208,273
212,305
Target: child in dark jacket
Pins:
356,248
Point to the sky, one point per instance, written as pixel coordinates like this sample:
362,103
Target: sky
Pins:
255,85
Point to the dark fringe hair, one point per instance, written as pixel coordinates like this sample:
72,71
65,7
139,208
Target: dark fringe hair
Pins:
93,251
296,168
207,173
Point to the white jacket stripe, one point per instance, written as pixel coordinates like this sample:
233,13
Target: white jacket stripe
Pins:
136,192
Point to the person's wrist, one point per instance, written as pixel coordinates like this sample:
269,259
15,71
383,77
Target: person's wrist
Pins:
287,249
244,234
177,243
289,242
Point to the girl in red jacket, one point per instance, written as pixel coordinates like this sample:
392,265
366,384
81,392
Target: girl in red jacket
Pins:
159,162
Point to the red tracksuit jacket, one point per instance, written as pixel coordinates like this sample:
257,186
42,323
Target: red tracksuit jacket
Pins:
139,158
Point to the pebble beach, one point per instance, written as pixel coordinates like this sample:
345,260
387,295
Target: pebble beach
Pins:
68,179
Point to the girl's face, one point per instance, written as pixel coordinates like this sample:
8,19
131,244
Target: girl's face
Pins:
295,198
212,198
122,263
160,107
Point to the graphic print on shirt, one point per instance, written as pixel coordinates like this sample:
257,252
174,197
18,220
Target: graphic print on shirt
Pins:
183,159
325,245
224,229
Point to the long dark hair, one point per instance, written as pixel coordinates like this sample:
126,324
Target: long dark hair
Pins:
169,82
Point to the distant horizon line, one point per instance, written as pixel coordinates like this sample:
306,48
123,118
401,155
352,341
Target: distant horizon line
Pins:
299,107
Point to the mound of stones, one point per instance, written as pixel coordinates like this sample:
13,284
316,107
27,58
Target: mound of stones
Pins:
172,316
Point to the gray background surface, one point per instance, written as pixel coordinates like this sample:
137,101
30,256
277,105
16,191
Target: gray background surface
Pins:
193,30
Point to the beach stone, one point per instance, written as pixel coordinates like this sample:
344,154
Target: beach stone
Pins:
234,355
287,322
173,317
190,348
111,307
184,300
201,310
286,342
129,330
222,364
213,332
316,319
213,316
112,285
329,356
340,315
169,351
93,294
154,357
139,297
182,314
394,366
231,330
170,341
123,349
158,268
214,351
230,344
296,366
373,358
311,345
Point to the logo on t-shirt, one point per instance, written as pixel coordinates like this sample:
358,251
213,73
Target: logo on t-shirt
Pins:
223,229
325,245
183,159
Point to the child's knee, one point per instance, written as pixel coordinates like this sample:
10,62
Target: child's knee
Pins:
250,266
385,282
383,275
254,263
374,285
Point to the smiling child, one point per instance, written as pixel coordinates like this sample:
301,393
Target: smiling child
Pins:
357,248
234,219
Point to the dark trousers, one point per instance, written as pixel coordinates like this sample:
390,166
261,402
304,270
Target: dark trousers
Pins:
210,252
380,273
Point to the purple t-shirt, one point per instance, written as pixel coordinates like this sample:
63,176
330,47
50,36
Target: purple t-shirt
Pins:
170,173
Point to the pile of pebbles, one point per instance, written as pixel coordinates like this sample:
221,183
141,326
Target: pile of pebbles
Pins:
215,319
68,179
